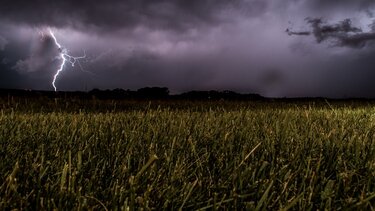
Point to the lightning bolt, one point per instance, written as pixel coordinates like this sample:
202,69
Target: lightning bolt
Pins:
65,57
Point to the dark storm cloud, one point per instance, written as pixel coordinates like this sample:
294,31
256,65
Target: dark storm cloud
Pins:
43,54
177,15
357,4
323,32
301,33
189,44
3,43
8,77
342,33
357,40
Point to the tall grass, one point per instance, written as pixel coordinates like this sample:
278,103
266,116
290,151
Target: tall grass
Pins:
256,156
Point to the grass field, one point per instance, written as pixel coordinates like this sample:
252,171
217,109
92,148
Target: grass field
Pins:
189,155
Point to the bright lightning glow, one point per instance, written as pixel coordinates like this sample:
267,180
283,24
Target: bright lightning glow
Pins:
65,58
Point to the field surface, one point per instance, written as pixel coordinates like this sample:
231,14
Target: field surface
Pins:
90,154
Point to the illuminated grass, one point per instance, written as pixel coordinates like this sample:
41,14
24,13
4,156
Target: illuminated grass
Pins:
252,156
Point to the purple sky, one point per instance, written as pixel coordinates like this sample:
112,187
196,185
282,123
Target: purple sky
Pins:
239,45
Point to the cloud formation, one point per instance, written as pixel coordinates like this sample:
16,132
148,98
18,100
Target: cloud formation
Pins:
191,44
175,15
43,54
3,43
341,34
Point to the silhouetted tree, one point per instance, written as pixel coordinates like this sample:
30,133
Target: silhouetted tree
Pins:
153,92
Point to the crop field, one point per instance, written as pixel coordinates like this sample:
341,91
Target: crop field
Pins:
189,155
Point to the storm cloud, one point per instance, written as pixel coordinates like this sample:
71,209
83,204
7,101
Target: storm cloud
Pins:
342,33
3,43
241,45
176,15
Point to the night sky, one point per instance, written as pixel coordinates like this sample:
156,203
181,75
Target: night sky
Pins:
292,48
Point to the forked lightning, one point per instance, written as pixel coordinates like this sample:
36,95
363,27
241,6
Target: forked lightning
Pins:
65,58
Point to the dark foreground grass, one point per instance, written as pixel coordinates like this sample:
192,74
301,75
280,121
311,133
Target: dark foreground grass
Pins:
258,156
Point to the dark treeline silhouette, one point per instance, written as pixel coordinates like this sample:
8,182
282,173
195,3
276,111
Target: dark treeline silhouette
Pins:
143,93
218,95
157,93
